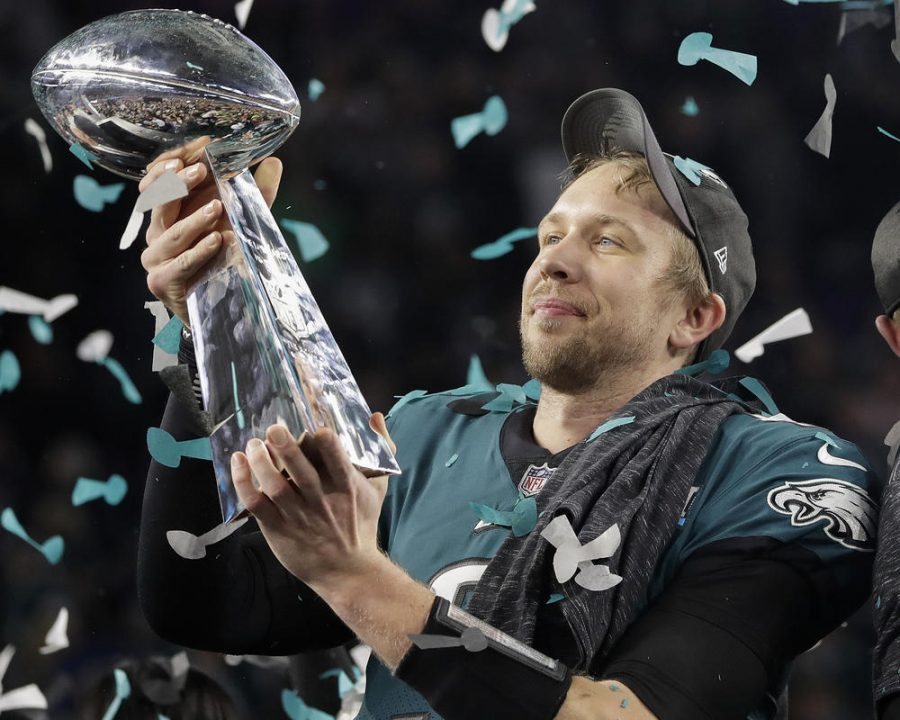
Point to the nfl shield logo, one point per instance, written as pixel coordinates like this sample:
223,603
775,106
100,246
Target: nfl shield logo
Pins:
534,478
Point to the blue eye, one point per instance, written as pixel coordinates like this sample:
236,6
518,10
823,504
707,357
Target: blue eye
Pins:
607,242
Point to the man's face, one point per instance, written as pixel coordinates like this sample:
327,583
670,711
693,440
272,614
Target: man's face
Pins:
592,301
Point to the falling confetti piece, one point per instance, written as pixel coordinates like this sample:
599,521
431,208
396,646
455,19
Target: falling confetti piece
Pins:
237,403
95,346
56,638
315,89
193,547
624,703
40,330
609,425
112,490
453,458
310,240
819,138
52,549
794,324
93,196
167,187
123,691
690,107
475,376
885,132
491,120
37,132
84,155
696,47
691,169
555,598
168,451
10,372
242,12
296,709
19,302
502,245
28,697
192,66
129,390
495,24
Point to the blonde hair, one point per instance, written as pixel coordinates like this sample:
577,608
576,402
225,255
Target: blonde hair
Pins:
685,274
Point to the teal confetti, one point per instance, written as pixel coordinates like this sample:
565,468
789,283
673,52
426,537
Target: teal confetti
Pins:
805,465
690,107
624,703
10,371
192,66
52,549
237,403
160,716
123,690
345,684
78,150
112,490
453,458
885,132
128,388
717,362
475,376
40,329
296,709
409,397
614,687
502,245
168,451
756,387
532,389
521,519
878,602
824,437
501,403
310,240
169,338
514,392
609,425
554,598
491,120
691,169
315,89
93,196
697,46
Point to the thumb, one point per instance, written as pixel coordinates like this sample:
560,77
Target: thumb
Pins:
377,423
268,178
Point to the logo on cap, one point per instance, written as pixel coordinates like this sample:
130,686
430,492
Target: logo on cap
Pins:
722,256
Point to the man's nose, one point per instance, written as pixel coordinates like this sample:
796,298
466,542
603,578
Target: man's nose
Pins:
561,261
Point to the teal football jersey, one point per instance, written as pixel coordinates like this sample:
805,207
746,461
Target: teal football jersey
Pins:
763,477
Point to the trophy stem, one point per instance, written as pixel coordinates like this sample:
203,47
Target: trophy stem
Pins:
264,351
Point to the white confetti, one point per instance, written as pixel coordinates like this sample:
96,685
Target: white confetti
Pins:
16,301
161,358
572,557
56,638
95,347
192,547
242,12
37,132
792,325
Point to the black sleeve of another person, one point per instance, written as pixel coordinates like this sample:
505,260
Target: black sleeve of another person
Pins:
238,599
719,638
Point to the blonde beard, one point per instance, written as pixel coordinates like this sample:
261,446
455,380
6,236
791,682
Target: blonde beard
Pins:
578,362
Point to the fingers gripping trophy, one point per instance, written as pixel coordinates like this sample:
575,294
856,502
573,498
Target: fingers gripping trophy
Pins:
149,84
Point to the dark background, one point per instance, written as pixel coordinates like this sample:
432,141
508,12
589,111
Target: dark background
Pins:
402,209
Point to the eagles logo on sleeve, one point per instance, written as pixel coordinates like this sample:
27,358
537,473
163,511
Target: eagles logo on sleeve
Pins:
850,515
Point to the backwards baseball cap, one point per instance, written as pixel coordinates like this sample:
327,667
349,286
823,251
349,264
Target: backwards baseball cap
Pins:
886,260
603,121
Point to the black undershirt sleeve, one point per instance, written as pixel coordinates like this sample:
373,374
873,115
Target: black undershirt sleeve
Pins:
722,634
238,599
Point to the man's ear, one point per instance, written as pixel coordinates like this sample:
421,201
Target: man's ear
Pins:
890,331
698,322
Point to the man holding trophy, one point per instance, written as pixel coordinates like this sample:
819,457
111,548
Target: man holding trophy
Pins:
719,574
732,537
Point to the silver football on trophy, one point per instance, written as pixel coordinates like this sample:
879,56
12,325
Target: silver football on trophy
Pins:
131,86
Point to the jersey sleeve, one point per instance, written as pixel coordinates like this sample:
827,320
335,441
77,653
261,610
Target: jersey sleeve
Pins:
237,599
774,550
